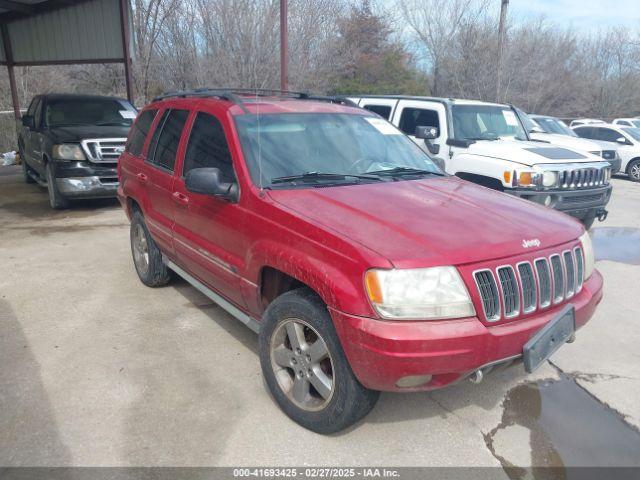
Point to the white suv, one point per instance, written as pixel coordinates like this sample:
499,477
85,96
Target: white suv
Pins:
627,122
486,143
627,137
553,130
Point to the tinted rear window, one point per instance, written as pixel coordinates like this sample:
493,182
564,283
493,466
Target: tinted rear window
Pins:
383,110
139,131
164,151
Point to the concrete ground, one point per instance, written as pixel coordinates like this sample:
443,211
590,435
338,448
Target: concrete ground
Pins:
97,369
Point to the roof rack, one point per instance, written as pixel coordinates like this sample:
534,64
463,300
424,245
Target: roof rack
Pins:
233,95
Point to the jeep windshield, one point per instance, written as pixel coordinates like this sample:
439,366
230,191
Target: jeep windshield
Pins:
320,149
88,111
485,122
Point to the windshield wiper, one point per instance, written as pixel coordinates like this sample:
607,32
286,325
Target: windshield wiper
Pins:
405,171
310,177
112,124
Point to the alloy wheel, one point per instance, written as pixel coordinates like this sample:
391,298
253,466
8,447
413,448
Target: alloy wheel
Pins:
302,364
140,249
635,171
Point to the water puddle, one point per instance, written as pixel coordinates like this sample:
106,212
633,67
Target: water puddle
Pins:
564,427
618,244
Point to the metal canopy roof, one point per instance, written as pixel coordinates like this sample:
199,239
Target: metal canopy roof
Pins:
53,32
43,32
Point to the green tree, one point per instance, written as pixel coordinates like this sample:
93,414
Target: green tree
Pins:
369,61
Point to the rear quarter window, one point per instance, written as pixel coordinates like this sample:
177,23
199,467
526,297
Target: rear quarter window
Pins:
139,132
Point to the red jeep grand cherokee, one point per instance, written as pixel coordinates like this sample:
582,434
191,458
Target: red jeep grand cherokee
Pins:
360,263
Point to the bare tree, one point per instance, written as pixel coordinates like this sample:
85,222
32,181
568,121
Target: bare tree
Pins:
434,24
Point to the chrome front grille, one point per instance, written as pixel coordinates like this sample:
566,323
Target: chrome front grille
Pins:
558,278
510,292
529,289
544,280
103,150
570,271
549,280
579,268
488,294
583,177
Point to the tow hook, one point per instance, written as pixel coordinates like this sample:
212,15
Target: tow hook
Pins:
602,215
476,377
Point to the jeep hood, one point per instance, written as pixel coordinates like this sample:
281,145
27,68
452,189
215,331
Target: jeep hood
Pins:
529,153
77,133
428,222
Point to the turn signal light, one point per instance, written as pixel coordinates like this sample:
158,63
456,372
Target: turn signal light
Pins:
373,286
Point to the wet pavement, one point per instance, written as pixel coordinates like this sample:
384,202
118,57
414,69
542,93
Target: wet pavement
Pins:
565,427
617,244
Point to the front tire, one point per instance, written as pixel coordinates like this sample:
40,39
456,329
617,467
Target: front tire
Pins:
56,200
305,367
147,257
634,171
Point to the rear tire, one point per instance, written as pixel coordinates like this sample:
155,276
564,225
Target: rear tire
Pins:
147,257
634,170
309,376
56,200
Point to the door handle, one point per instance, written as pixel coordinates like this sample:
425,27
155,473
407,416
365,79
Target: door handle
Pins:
180,198
142,178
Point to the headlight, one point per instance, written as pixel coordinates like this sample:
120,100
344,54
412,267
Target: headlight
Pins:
549,179
589,258
421,293
67,151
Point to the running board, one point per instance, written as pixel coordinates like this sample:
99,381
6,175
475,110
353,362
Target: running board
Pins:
229,307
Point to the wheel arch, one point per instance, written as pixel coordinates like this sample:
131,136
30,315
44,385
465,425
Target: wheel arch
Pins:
631,162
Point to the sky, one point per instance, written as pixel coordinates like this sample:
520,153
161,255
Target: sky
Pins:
583,15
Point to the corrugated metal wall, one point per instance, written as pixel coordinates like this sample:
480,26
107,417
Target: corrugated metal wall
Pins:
85,31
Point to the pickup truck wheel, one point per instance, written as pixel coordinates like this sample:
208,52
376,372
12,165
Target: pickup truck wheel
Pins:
305,367
56,200
634,171
147,257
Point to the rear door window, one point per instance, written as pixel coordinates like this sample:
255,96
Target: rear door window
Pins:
383,110
418,117
208,148
585,132
139,131
167,139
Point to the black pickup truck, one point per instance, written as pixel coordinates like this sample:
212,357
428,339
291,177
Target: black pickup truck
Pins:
70,144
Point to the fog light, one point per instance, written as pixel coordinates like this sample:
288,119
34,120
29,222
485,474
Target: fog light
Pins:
547,200
412,381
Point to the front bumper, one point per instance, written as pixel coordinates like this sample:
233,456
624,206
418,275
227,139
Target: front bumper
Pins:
577,203
86,187
86,180
382,352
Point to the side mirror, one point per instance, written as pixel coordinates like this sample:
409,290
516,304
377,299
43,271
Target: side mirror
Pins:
427,133
29,122
207,182
622,140
536,130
